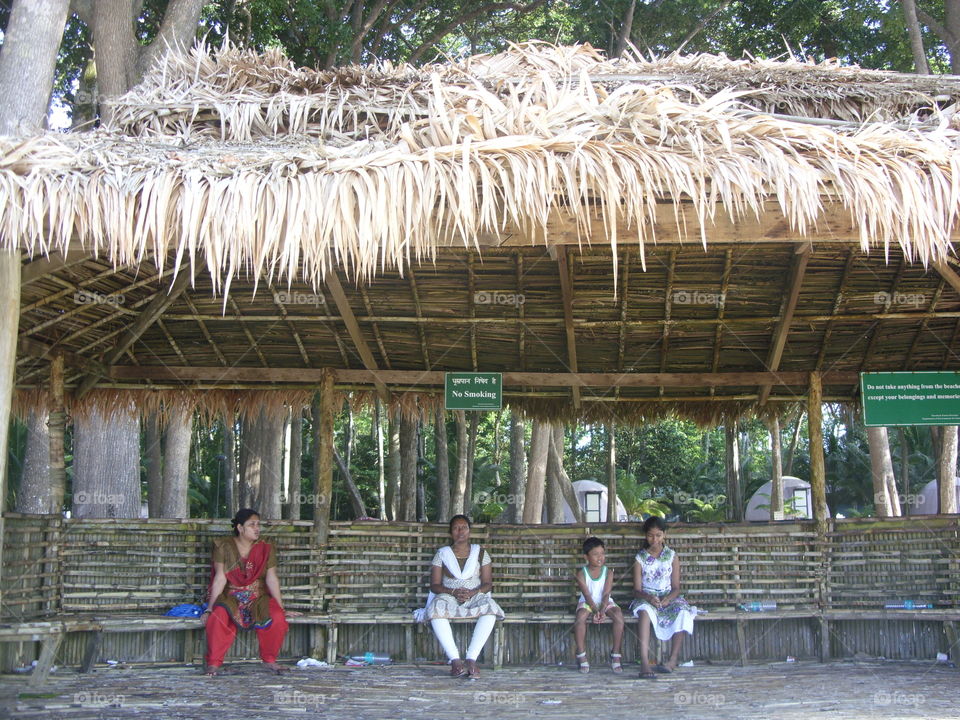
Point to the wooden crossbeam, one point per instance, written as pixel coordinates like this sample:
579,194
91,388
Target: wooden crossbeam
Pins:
923,325
160,302
290,326
254,345
948,274
376,326
353,329
421,331
797,269
721,310
518,378
837,302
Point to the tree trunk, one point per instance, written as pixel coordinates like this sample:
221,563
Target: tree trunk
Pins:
623,35
381,470
270,429
471,458
251,459
881,470
905,469
518,468
34,497
776,479
566,486
794,439
229,465
408,469
947,471
393,465
536,473
611,473
356,501
458,500
106,465
442,465
175,502
31,42
291,508
732,462
153,459
920,64
554,489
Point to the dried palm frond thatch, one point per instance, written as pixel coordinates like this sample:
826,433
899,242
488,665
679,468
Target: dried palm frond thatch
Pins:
251,166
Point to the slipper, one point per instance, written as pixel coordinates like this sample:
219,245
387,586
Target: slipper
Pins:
457,669
582,661
615,663
216,671
662,669
472,670
649,675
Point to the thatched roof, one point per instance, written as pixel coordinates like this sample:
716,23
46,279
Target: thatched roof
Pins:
262,176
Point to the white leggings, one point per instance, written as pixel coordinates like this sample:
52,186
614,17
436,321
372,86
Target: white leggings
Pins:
481,631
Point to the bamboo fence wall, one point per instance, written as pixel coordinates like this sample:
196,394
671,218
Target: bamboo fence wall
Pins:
54,566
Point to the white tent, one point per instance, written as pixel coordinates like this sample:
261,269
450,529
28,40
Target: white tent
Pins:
793,487
592,497
928,501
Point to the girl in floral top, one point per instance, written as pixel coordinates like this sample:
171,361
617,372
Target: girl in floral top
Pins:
656,588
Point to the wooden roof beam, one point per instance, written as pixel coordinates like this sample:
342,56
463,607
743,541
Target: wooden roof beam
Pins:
566,292
206,333
667,311
376,326
837,303
721,309
36,269
254,345
332,282
150,314
290,326
421,332
797,270
923,325
948,274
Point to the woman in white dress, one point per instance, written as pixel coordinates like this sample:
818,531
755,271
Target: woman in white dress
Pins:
461,579
656,588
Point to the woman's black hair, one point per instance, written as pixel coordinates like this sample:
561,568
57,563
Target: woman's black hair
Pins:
649,524
459,517
241,517
590,543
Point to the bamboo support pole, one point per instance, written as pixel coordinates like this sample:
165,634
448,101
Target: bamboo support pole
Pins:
818,482
323,437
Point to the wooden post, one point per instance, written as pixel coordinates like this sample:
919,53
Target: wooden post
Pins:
818,481
536,473
56,423
732,462
9,323
323,446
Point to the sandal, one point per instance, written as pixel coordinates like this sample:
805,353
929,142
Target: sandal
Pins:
662,669
582,661
457,669
648,675
472,670
215,670
615,663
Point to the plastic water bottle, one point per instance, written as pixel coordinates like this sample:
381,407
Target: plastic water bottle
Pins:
371,659
758,606
908,605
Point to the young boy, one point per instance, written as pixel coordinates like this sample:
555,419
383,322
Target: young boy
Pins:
595,581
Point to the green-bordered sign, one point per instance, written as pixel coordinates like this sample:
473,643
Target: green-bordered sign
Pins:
473,391
910,398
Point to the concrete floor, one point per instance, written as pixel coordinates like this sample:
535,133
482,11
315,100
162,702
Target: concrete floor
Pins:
847,690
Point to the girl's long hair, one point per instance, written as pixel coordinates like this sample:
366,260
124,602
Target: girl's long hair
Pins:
649,524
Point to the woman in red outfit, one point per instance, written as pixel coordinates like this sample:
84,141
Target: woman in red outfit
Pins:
244,593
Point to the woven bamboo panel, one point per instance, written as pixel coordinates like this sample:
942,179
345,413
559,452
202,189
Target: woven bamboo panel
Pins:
32,570
883,561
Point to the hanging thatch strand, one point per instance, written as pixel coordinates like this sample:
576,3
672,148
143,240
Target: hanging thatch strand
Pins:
252,166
